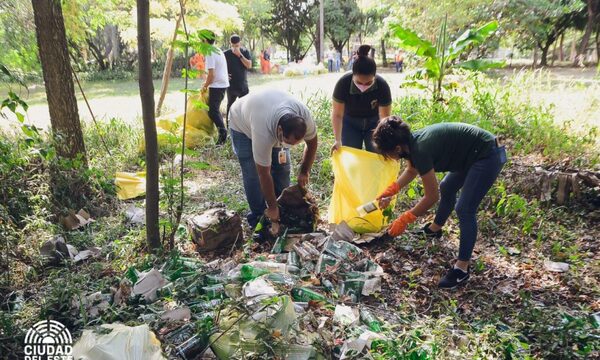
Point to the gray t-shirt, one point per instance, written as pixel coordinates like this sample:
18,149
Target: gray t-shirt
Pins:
257,115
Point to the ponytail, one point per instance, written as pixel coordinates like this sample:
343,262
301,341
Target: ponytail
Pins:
364,65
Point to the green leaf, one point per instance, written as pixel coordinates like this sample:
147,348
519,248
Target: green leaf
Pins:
481,64
20,117
412,42
471,37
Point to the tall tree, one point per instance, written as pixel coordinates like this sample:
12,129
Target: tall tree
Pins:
54,56
592,7
147,97
290,21
342,19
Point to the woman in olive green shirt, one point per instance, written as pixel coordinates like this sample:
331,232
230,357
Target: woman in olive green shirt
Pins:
472,159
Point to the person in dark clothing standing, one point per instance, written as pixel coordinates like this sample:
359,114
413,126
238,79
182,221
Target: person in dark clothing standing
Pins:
238,62
472,158
360,99
217,81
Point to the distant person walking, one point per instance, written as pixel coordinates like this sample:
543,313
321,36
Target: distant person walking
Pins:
399,61
265,61
238,62
217,82
330,60
197,63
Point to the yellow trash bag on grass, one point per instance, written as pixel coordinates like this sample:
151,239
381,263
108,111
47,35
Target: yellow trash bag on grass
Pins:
130,185
360,176
196,117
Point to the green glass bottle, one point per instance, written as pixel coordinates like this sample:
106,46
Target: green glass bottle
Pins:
305,295
249,272
370,320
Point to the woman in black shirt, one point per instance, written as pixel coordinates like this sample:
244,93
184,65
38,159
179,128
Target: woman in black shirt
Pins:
360,99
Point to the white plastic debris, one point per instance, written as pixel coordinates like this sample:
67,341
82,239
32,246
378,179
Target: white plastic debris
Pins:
86,254
345,315
148,283
122,343
135,215
371,286
258,287
556,266
359,344
182,313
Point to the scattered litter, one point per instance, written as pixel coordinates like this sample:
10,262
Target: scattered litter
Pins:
345,315
76,220
91,252
178,314
135,215
357,346
130,185
55,250
148,284
556,266
121,343
215,229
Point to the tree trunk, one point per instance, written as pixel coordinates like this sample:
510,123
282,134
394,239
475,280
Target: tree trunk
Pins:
383,55
167,71
589,28
97,54
561,51
147,97
573,51
58,80
553,54
544,58
598,45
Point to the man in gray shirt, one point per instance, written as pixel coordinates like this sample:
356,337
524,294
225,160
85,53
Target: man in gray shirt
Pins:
263,126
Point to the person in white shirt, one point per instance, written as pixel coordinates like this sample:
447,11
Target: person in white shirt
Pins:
216,83
263,126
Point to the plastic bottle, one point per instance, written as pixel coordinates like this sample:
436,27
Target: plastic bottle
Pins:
305,295
367,208
370,320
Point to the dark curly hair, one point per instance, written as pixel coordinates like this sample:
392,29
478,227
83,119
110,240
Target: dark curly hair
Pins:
389,133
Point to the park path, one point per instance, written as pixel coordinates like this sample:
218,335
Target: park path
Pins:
129,107
567,104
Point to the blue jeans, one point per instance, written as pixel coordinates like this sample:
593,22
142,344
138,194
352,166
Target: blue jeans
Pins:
475,183
356,131
242,147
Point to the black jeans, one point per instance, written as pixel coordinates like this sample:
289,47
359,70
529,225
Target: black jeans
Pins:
232,95
355,131
215,97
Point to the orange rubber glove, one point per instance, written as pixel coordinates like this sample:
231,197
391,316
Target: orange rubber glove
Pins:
390,191
399,225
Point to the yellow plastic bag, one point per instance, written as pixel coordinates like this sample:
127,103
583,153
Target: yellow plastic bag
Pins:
130,185
195,137
196,117
359,177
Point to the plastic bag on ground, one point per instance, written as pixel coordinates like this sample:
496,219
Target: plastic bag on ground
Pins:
130,185
122,343
359,177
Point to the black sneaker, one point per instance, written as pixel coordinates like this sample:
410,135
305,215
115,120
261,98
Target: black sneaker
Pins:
424,231
455,277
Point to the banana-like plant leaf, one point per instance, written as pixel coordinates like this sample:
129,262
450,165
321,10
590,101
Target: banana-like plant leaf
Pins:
471,37
413,84
481,64
412,42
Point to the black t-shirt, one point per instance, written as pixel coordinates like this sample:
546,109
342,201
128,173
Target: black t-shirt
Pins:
359,104
236,69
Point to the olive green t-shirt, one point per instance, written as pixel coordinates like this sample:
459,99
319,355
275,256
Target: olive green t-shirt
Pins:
449,147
